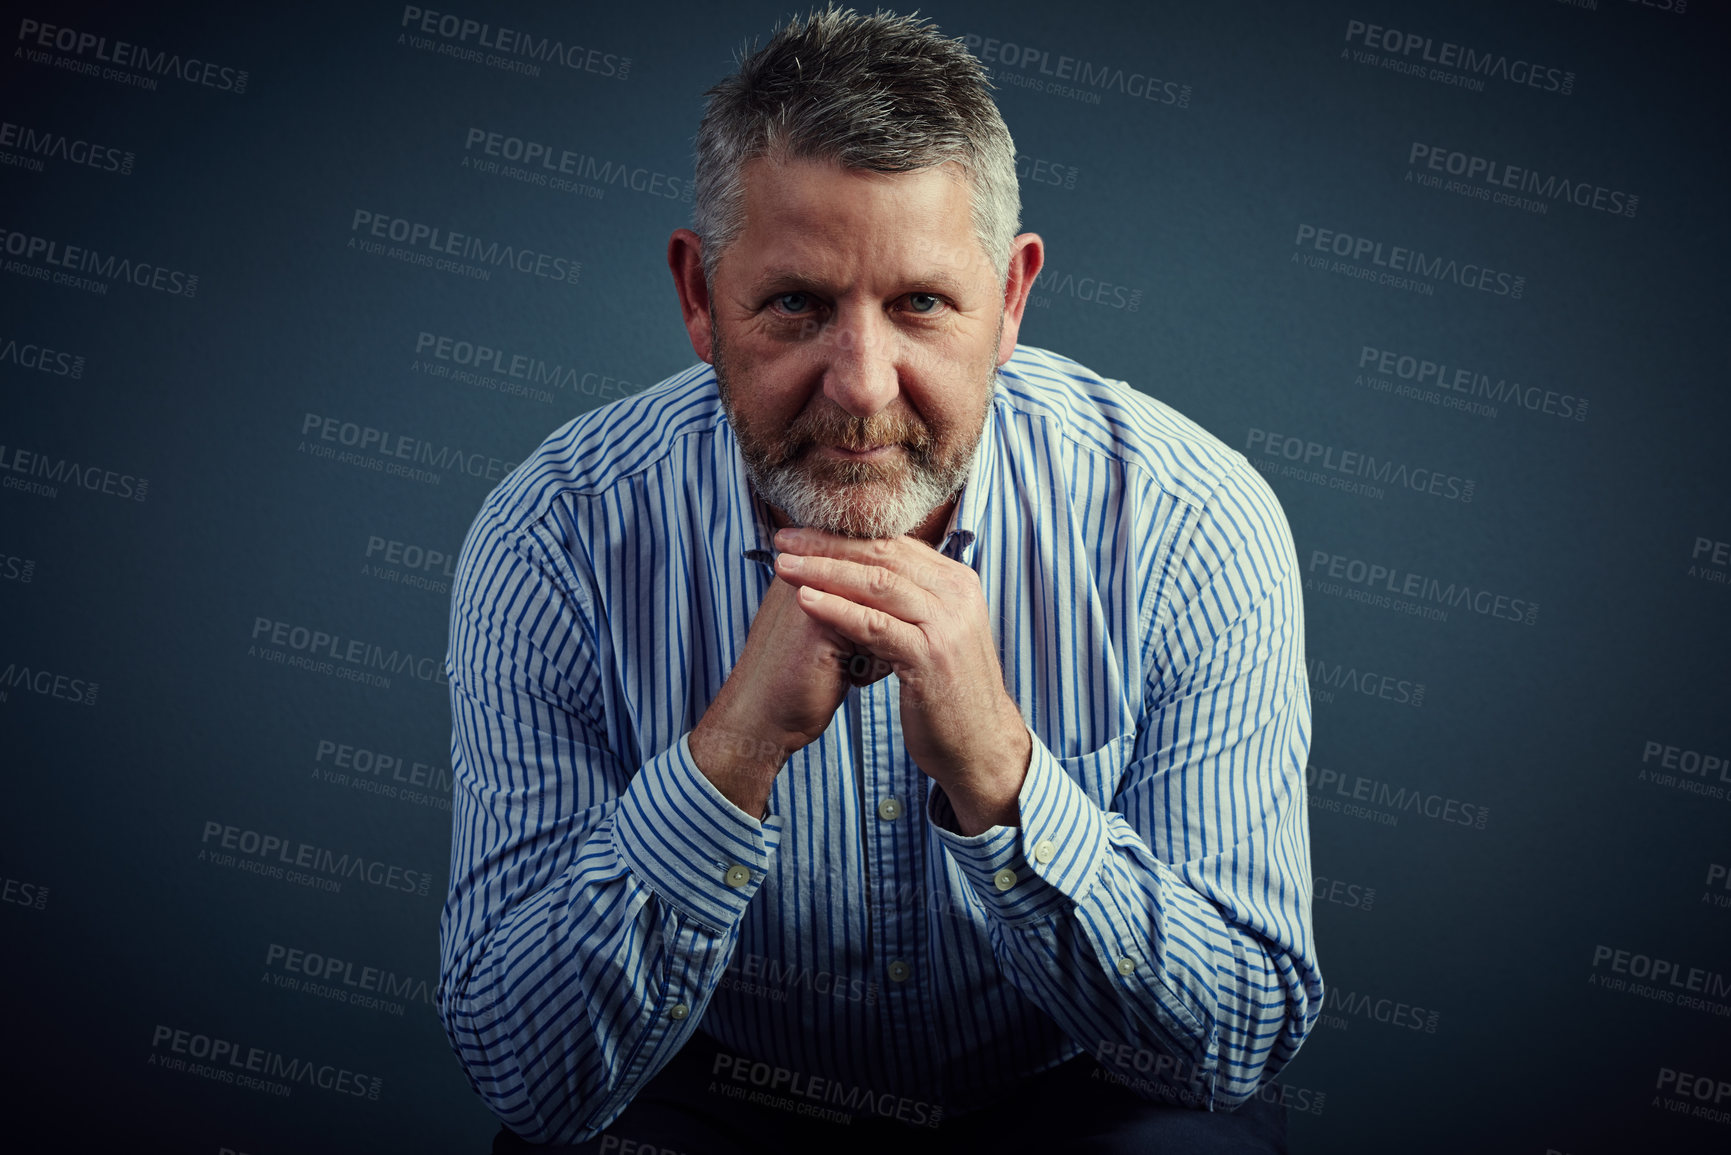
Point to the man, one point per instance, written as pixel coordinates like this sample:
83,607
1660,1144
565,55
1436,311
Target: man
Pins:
880,732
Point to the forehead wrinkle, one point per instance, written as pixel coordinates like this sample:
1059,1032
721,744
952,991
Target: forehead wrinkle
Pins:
904,230
793,275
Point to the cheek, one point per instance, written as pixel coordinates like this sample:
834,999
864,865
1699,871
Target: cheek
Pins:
772,394
951,401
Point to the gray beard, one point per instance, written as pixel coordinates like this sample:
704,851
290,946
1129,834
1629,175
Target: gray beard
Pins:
864,499
850,509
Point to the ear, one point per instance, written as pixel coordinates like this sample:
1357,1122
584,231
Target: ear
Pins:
1027,255
685,259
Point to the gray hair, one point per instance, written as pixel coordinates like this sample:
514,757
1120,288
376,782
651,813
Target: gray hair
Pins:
883,93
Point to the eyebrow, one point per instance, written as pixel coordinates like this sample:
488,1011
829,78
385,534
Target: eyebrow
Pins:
941,281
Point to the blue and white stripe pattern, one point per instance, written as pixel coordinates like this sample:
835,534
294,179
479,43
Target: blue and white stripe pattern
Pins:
606,899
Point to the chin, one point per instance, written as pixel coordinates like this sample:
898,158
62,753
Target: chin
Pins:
859,516
873,524
869,510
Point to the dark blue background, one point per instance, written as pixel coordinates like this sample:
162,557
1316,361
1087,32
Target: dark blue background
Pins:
1197,207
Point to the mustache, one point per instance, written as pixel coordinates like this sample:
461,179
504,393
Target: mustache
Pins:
832,426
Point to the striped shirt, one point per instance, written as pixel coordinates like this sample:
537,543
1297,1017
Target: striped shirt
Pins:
606,899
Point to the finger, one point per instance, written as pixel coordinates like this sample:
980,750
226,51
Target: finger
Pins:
868,628
866,585
908,556
862,668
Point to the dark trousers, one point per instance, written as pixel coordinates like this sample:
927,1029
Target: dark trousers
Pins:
688,1109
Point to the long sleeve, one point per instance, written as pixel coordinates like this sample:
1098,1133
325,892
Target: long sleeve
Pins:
1176,920
594,904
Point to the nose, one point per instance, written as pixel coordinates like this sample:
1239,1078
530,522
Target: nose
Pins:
859,372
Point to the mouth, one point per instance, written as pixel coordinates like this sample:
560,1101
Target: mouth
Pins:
872,454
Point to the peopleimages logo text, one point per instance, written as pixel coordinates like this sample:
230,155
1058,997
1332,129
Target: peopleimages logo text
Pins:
464,246
1352,463
49,145
1421,49
1328,677
1688,979
533,371
122,54
1338,784
1071,70
1398,582
108,266
47,683
273,849
1440,375
57,471
41,358
1388,1011
231,1059
512,42
1499,176
320,644
1412,262
381,982
369,439
550,160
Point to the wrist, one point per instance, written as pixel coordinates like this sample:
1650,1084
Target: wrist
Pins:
992,796
740,761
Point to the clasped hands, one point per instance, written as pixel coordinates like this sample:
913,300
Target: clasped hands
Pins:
919,614
846,611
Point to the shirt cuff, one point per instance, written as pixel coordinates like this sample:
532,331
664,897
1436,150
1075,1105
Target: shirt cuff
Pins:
688,844
1045,866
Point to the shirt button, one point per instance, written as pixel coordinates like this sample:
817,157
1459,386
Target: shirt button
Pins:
737,875
1126,966
679,1011
899,971
1044,850
890,809
1004,879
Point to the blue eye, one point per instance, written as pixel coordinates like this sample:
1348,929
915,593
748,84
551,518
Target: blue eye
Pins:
923,302
793,302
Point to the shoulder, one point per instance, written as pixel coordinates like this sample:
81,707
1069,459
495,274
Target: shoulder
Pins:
595,452
1106,418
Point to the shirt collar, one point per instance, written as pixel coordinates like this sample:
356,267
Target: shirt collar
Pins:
750,530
